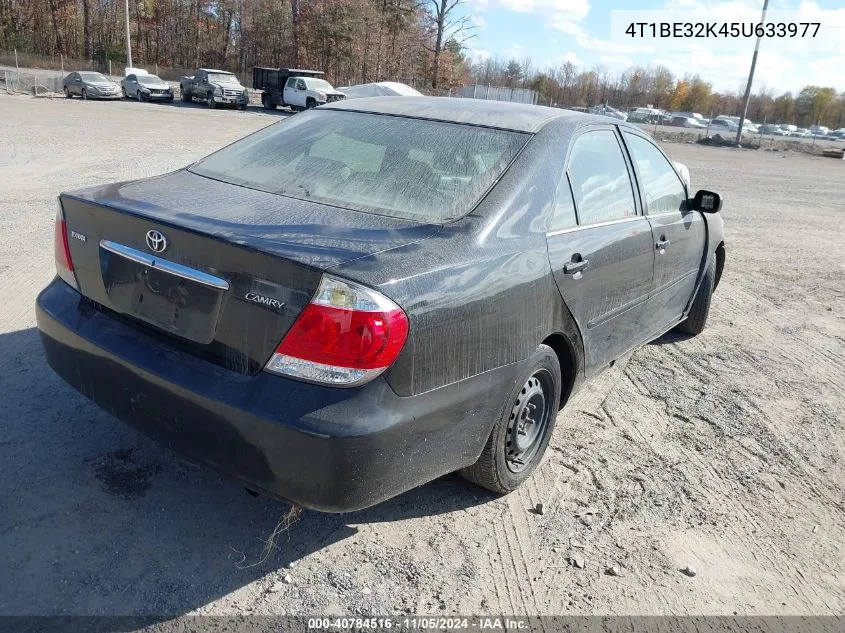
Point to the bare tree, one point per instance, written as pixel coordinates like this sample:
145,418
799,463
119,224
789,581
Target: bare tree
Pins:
446,22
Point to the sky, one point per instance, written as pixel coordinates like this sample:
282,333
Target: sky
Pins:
550,32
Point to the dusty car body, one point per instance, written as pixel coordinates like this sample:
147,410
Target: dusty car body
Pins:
90,85
146,87
214,87
377,292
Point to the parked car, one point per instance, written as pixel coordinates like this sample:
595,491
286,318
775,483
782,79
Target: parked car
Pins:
146,87
90,85
819,130
725,125
773,130
789,128
606,110
294,88
800,132
214,87
357,300
686,121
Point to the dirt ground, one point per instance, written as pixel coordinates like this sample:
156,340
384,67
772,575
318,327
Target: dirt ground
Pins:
724,452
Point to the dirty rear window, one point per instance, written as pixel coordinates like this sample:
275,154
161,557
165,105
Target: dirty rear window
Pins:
406,168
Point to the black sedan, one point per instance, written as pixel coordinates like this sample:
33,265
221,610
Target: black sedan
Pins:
374,293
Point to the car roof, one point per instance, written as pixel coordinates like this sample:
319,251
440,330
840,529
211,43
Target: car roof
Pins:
214,70
519,117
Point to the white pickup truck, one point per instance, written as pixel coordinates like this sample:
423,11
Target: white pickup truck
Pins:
297,89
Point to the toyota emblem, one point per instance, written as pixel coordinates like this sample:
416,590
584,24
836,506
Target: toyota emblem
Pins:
156,241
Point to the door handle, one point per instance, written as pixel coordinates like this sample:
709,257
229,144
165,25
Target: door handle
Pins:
575,267
661,244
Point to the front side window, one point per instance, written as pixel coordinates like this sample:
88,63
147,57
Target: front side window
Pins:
663,190
600,181
415,169
300,85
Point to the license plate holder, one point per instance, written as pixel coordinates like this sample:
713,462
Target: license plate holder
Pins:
161,293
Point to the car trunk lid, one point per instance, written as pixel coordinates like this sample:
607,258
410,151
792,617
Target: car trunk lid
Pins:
234,270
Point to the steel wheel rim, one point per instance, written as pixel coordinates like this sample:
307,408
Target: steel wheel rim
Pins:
529,421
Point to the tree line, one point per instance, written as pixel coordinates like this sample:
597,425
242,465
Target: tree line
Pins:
353,41
420,42
570,85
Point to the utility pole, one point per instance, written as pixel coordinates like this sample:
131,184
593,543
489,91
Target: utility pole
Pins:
750,77
129,44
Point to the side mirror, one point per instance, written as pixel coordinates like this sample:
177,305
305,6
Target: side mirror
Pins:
707,202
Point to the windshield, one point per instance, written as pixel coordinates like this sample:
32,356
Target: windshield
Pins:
318,84
149,80
405,168
92,77
224,78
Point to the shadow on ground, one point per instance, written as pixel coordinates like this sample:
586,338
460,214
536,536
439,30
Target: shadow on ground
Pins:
96,519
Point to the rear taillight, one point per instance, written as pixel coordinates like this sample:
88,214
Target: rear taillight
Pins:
346,336
64,263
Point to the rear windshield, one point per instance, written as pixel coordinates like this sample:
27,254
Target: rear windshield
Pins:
405,168
222,77
149,80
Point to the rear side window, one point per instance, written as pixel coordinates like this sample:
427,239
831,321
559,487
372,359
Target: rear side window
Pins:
600,180
563,212
415,169
664,192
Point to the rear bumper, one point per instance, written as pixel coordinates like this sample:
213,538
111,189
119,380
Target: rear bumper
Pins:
329,449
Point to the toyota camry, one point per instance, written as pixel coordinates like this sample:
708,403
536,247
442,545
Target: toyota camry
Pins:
375,293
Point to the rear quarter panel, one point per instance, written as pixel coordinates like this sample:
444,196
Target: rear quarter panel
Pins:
480,293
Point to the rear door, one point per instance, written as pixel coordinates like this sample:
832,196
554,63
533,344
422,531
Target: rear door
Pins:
600,247
679,233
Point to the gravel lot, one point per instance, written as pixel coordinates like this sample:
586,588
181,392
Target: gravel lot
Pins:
723,452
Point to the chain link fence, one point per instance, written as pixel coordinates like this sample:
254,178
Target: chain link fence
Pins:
40,75
496,93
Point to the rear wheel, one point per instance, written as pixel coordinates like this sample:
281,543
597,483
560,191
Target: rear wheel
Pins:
267,101
186,96
123,90
697,318
67,93
519,440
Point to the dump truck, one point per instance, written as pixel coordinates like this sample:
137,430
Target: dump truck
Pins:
293,87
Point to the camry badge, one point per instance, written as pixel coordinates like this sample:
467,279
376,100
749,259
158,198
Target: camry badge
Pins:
265,301
156,241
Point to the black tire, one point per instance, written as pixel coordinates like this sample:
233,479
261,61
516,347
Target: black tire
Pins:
84,94
123,90
139,95
697,318
310,103
186,96
267,101
507,460
209,100
67,93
